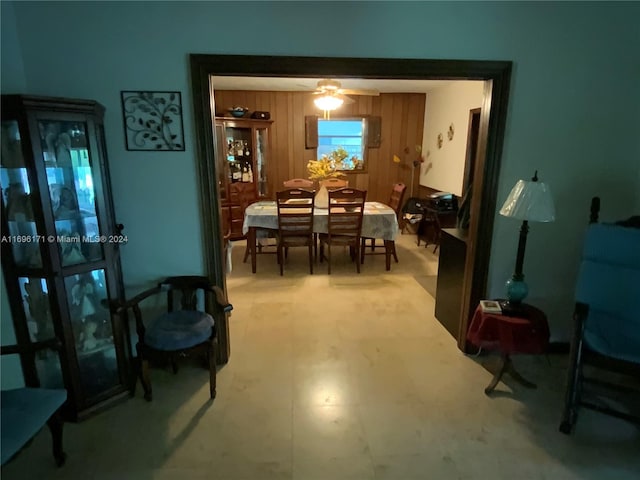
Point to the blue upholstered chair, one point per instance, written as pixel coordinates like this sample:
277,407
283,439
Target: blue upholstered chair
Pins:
179,331
607,317
24,411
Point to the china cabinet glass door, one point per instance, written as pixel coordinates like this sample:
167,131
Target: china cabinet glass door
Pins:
60,247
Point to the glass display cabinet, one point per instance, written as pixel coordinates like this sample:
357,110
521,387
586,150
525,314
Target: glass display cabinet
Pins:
243,148
60,247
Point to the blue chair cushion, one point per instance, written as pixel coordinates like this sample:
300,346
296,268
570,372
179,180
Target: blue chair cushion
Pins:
609,282
179,330
24,413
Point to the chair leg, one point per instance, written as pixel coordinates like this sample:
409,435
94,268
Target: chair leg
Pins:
310,259
357,255
145,379
281,260
55,424
174,363
373,244
211,353
315,246
393,251
329,257
247,251
363,246
574,373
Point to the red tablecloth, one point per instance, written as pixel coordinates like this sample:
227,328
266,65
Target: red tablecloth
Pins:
527,333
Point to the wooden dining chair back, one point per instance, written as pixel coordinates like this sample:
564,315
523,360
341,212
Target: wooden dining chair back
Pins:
242,195
397,195
395,202
344,223
334,183
298,183
295,222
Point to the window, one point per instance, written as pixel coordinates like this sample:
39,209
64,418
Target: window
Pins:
355,135
347,134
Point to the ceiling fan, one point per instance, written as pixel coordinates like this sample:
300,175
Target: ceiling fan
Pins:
333,88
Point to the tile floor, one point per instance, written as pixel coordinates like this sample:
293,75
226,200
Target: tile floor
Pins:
341,377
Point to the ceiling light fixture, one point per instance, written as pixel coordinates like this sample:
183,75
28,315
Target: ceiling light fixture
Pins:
328,102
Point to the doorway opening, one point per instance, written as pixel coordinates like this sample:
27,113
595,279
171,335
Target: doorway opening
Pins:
496,75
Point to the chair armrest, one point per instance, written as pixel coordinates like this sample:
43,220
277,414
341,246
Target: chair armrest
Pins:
221,298
119,307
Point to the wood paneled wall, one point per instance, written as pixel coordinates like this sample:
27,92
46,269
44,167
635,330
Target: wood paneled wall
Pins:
402,122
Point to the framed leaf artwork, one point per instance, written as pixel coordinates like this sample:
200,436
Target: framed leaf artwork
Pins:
152,121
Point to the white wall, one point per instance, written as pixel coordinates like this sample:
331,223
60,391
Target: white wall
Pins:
575,71
443,168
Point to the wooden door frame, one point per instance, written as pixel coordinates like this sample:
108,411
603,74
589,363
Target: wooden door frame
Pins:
496,74
468,160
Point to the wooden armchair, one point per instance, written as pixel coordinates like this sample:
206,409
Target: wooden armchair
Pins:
295,222
26,410
606,323
178,332
346,208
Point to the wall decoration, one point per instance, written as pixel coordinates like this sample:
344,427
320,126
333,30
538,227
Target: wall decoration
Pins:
450,132
440,140
152,121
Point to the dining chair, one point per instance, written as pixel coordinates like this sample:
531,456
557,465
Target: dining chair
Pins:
298,183
179,332
295,222
244,194
395,202
334,183
344,223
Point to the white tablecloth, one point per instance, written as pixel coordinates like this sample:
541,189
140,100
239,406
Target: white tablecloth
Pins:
379,220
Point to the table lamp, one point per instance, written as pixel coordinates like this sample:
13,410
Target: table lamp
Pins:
529,201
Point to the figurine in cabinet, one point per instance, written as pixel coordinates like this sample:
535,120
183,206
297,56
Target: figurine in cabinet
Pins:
63,202
11,146
18,204
58,145
38,302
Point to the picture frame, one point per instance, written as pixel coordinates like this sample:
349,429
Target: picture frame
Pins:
152,120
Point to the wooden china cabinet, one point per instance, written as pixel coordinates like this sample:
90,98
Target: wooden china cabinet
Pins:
60,248
243,150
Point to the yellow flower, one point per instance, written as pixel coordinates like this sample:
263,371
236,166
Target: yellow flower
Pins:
327,166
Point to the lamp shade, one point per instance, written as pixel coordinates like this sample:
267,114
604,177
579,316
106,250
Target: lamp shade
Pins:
531,201
328,102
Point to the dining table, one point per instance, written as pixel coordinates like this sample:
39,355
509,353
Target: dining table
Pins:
378,221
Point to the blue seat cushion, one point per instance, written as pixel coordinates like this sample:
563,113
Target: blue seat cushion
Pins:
179,330
609,282
24,413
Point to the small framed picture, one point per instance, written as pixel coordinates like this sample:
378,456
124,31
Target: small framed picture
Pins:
490,306
152,121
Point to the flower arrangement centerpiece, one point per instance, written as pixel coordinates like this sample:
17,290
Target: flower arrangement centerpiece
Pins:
328,166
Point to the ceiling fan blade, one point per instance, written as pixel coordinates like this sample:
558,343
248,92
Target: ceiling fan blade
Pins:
345,99
359,91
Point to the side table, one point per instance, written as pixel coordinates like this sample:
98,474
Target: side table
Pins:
525,331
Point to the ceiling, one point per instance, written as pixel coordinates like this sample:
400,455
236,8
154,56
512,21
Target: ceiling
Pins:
309,84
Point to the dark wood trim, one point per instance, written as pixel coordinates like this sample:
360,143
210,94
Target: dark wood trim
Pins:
470,153
497,75
490,141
